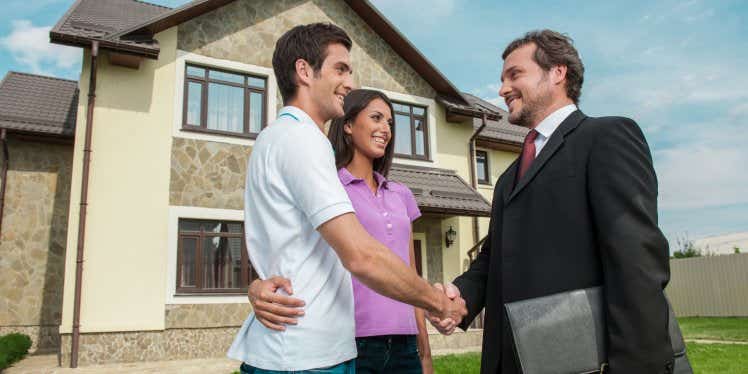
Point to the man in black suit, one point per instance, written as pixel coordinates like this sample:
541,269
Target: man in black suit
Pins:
577,209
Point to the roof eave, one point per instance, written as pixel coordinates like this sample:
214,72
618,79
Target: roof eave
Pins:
85,42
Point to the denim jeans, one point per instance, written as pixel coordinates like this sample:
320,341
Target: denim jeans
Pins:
348,367
396,354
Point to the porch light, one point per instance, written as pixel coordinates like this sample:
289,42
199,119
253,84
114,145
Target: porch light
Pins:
450,236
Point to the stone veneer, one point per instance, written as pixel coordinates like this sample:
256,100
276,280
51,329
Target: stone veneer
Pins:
206,315
207,174
32,246
137,346
246,31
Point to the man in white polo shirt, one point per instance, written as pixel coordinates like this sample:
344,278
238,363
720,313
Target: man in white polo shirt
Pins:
301,225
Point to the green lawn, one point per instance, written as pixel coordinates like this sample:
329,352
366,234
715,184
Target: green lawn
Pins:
705,359
734,329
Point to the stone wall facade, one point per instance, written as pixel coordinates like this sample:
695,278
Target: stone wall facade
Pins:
206,315
207,174
246,31
34,234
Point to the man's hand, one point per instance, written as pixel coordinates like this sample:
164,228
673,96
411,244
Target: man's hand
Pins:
446,325
273,310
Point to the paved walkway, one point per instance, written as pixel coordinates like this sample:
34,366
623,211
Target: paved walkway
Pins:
47,364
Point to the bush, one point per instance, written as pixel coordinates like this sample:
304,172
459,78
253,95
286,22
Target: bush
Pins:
13,347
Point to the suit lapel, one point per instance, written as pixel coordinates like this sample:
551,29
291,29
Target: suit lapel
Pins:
511,175
550,148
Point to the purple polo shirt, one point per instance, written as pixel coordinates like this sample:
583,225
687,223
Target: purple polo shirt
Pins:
387,216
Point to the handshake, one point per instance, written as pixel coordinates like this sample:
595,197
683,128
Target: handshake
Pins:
275,310
452,312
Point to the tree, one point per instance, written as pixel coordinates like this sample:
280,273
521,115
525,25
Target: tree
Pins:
686,248
736,249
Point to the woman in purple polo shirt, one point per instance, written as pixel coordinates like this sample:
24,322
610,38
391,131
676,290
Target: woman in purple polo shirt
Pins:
391,336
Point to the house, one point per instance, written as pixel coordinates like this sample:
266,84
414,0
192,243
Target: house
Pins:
164,118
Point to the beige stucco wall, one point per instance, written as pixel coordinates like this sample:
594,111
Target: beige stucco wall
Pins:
32,246
126,232
498,162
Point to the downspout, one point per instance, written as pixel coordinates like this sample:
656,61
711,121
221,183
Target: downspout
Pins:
6,160
473,182
83,205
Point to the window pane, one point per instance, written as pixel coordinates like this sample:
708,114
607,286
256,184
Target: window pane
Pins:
402,135
221,263
480,161
420,137
196,72
225,108
194,98
255,112
418,111
189,225
189,251
256,82
228,77
401,108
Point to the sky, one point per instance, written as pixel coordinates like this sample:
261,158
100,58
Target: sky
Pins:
678,68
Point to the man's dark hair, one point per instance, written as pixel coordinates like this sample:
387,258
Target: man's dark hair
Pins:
342,145
553,49
308,42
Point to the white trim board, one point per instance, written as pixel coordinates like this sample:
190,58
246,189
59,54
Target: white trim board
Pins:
175,213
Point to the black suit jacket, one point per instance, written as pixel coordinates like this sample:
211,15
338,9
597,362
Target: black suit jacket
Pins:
583,215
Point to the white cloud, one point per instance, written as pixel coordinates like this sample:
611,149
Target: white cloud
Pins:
700,176
29,45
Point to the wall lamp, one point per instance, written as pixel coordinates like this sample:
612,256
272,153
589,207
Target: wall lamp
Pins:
449,236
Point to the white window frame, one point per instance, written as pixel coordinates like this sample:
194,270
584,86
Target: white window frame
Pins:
184,58
190,212
430,105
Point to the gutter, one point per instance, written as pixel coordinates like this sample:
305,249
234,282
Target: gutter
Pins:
83,204
6,160
473,182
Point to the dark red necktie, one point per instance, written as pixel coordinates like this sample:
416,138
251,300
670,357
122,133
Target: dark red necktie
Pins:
528,153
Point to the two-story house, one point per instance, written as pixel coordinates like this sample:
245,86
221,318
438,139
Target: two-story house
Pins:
153,265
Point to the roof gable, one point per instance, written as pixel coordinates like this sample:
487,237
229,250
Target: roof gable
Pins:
38,104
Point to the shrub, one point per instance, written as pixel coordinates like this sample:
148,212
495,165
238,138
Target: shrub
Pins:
13,347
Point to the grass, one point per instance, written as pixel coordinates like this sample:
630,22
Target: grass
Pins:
718,358
705,359
713,328
463,363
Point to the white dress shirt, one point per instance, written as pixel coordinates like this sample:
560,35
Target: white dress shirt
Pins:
547,126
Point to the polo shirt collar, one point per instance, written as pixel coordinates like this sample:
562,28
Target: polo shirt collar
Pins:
297,113
347,178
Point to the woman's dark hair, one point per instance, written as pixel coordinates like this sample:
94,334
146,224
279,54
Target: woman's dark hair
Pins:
308,42
342,144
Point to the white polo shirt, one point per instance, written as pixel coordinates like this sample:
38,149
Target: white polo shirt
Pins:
292,188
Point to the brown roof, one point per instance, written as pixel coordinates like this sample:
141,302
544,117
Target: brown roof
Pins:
129,26
500,131
101,20
37,104
441,191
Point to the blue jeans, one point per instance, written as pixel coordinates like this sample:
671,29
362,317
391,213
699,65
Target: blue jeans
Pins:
348,367
395,354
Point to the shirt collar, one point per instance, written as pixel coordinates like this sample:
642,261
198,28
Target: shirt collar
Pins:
547,126
297,113
347,178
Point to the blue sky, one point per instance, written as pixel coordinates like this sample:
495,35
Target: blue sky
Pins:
677,67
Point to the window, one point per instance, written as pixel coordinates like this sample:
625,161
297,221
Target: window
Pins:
212,257
223,102
481,164
411,131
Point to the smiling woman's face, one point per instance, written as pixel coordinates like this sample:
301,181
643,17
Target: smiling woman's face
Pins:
371,131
